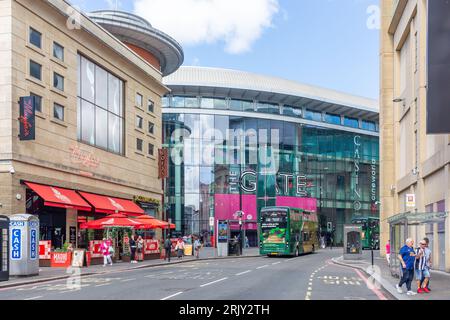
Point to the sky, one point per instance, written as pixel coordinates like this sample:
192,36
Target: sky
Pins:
328,43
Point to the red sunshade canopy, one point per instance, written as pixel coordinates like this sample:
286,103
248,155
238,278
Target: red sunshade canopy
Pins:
59,197
114,220
153,223
110,205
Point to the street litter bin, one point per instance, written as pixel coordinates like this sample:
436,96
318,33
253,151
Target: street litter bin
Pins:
4,248
352,242
234,249
24,245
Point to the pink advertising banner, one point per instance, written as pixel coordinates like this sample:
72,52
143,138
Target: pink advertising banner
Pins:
226,206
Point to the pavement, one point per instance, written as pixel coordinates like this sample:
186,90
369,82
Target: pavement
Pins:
51,274
380,275
254,277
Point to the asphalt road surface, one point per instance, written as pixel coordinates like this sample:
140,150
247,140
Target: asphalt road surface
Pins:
309,277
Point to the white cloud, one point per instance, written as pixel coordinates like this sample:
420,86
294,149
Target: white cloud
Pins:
237,23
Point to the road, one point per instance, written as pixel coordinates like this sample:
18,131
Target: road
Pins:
309,277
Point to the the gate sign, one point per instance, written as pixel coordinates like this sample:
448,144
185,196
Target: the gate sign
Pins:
16,244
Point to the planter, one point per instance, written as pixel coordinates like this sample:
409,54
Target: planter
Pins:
126,259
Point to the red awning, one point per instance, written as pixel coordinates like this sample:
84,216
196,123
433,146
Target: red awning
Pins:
110,205
59,197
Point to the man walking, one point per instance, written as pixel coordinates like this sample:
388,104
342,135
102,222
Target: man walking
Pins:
422,273
428,265
407,257
167,248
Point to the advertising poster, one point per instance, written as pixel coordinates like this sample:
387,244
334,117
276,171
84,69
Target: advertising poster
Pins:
27,118
222,231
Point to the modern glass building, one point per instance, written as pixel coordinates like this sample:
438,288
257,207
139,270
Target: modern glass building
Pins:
239,141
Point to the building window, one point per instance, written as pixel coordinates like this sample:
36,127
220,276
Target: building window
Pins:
268,108
58,81
58,112
100,107
151,149
313,115
332,118
58,51
178,102
38,101
151,106
292,112
139,144
351,122
139,100
35,70
139,122
166,102
151,128
36,38
369,125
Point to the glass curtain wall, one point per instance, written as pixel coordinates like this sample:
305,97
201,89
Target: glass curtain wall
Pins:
340,169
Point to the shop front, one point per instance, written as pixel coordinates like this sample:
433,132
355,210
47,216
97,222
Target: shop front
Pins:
62,211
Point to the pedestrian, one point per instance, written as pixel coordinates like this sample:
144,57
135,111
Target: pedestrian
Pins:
140,249
407,257
106,251
167,248
429,264
179,248
133,248
388,252
422,273
197,246
247,243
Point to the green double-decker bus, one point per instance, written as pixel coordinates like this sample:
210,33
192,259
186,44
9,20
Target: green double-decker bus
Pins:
370,235
288,231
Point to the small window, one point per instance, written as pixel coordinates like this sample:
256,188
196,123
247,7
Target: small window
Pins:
139,144
151,106
139,122
333,118
351,122
165,102
58,112
38,101
139,100
58,81
35,70
58,51
151,149
35,38
151,128
313,115
369,125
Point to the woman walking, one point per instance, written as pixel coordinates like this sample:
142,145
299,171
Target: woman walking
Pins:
133,248
140,249
106,250
180,248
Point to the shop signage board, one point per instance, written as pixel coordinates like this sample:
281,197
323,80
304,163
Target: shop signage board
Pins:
27,118
61,259
410,200
73,235
78,258
438,95
34,240
16,242
163,163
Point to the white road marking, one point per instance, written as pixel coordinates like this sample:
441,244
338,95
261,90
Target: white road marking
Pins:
276,263
33,298
102,285
241,273
126,280
173,295
209,283
263,266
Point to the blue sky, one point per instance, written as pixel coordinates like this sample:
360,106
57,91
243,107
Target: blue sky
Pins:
327,43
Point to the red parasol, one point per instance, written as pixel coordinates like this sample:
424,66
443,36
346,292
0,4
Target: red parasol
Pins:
113,220
153,223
